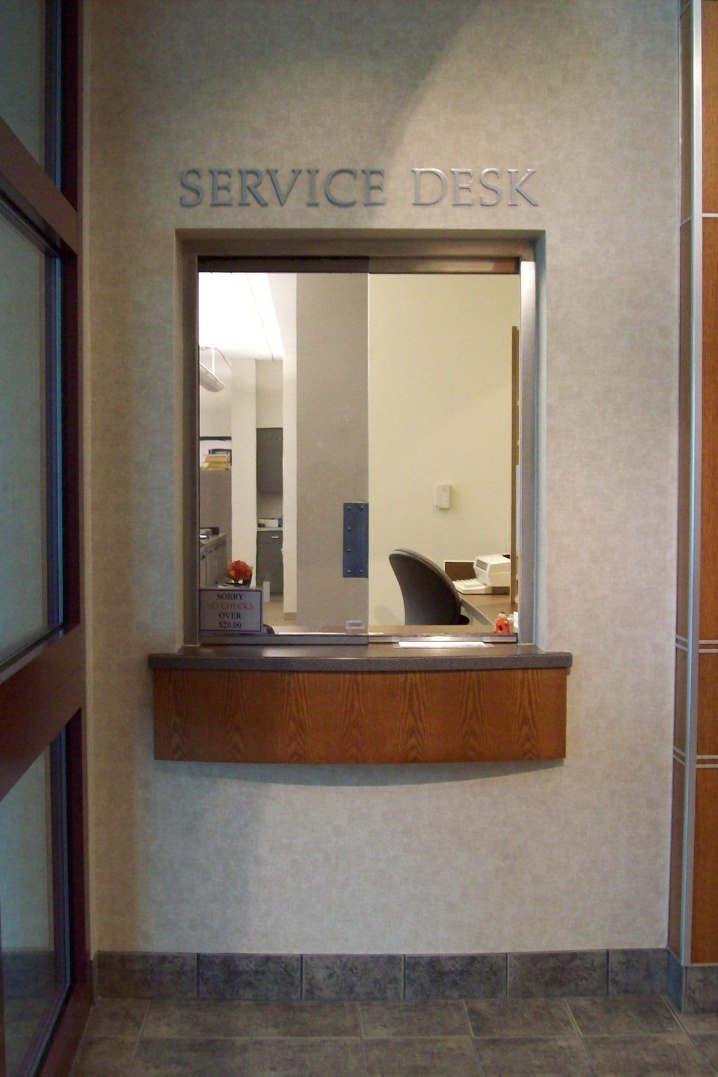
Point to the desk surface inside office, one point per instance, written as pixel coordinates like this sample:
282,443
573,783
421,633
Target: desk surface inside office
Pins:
486,608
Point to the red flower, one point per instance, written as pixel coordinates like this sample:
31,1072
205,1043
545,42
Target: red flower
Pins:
239,570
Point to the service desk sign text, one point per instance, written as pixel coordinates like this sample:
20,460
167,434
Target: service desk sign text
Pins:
480,187
230,610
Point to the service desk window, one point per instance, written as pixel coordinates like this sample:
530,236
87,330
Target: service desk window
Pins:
363,385
29,457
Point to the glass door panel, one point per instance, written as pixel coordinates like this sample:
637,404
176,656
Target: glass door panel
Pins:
32,911
29,461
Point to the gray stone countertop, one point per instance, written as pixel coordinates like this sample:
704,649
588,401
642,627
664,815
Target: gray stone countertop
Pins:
359,656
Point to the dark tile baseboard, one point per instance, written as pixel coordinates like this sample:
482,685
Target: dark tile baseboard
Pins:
385,977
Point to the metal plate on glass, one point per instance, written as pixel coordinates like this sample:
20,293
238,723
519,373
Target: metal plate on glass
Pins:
355,537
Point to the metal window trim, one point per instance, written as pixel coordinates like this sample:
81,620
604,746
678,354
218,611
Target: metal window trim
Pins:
302,250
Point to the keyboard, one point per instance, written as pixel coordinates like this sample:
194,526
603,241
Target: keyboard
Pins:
470,587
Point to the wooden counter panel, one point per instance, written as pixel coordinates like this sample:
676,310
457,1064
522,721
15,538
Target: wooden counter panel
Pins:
675,878
681,700
685,417
704,947
709,35
709,435
397,717
686,97
708,703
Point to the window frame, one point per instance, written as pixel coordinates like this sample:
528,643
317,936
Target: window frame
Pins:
42,688
52,451
381,251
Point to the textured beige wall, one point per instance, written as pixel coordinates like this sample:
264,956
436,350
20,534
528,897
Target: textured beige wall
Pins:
197,857
439,412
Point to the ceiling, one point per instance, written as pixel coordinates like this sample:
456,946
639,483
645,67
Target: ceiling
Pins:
238,318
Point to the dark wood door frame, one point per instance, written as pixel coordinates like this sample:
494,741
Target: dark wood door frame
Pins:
42,690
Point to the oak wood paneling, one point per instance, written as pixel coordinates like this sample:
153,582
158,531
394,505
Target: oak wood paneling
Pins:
703,942
685,117
709,35
397,717
708,703
704,947
680,699
709,480
685,382
675,890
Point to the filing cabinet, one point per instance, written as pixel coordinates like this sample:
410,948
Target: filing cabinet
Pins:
270,565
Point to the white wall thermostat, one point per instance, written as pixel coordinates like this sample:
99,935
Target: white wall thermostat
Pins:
442,495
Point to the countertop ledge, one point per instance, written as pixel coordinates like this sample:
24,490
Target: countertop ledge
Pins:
363,658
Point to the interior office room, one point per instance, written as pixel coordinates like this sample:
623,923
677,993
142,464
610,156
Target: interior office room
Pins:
486,238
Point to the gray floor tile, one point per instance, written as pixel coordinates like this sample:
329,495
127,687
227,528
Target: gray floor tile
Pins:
103,1056
191,1058
646,1056
708,1046
321,1019
307,1058
384,1019
196,1018
698,1023
613,1036
450,1056
520,1017
630,1015
118,1017
533,1057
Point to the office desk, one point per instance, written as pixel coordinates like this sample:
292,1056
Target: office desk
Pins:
485,608
482,608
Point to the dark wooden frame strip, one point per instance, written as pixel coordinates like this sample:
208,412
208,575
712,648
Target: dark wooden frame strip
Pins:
42,691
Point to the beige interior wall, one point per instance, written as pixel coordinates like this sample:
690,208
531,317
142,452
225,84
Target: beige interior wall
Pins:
439,412
284,294
244,453
433,859
215,412
270,376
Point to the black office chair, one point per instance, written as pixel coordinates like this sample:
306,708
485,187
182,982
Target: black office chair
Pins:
430,597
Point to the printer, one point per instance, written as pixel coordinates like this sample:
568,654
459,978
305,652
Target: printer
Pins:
494,571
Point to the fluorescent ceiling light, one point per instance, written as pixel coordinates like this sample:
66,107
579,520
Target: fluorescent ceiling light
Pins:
236,314
209,380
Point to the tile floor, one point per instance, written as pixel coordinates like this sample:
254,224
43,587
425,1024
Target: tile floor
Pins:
551,1037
